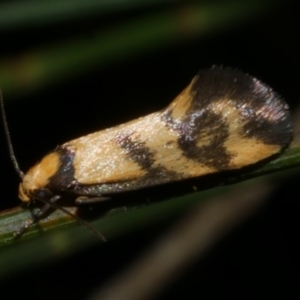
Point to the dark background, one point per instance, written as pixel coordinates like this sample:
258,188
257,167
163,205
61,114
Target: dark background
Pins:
260,258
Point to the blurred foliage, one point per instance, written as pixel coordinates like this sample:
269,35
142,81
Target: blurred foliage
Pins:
166,24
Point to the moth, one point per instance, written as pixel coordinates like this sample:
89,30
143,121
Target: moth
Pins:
223,120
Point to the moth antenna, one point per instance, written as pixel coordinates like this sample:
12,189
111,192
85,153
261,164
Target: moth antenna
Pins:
8,138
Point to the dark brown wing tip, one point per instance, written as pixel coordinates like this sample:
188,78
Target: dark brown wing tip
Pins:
265,114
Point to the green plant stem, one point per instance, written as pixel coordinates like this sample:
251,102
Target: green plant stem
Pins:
11,221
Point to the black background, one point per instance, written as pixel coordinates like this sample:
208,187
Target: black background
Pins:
260,258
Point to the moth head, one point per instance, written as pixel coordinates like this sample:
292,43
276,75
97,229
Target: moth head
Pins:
37,178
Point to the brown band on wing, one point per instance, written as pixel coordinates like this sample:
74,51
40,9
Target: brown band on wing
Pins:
205,128
263,112
63,179
145,158
137,151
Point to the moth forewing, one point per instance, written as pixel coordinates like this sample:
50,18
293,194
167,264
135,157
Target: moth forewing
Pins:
223,120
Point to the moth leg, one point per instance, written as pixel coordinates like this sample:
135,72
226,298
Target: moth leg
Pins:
36,217
43,211
82,200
